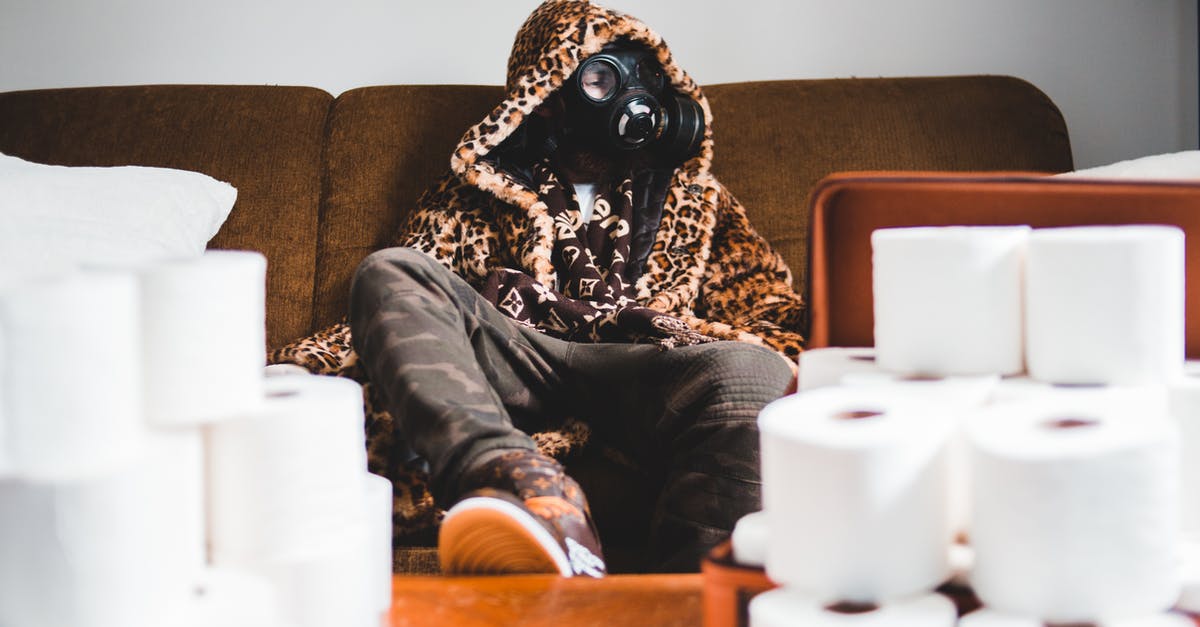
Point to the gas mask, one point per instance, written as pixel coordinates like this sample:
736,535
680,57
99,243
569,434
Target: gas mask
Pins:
618,100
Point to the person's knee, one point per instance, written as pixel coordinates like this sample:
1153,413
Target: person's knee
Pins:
387,263
727,381
746,371
759,360
383,270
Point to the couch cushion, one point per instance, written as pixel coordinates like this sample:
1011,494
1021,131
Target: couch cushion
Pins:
776,139
386,145
265,141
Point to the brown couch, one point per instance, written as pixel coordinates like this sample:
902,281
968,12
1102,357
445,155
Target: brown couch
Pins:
323,181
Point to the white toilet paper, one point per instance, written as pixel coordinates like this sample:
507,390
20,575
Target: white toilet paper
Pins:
1184,398
750,540
948,299
290,475
783,607
205,335
959,395
1075,508
962,562
378,546
1026,389
230,598
824,367
336,585
855,483
71,386
991,618
1189,577
6,466
116,549
1105,304
346,579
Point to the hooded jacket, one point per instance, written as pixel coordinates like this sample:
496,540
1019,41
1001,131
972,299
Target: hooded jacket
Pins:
696,256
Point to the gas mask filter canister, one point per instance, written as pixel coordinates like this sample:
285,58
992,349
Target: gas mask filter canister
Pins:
619,100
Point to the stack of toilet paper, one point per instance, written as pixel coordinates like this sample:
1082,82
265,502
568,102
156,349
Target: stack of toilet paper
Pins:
150,476
1017,426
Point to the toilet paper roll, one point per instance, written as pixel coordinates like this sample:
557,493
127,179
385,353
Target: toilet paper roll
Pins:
750,540
948,299
960,395
6,465
349,580
825,367
783,607
991,618
290,474
71,386
116,549
1075,508
962,561
337,585
1189,577
855,480
1025,388
230,598
378,546
205,331
1105,304
1184,399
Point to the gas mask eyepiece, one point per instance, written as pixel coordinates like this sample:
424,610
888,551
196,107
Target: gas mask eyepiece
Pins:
618,99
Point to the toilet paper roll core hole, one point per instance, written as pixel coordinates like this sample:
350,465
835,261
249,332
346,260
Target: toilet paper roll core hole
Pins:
282,393
920,378
1070,422
856,414
851,607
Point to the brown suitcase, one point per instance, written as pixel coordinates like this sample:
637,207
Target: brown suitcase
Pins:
847,207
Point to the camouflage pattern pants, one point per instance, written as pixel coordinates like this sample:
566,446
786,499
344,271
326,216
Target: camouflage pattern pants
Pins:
461,379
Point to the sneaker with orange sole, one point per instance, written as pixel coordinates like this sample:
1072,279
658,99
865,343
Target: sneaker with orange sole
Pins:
530,518
491,532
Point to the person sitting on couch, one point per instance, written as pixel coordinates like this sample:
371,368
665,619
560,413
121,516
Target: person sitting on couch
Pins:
579,260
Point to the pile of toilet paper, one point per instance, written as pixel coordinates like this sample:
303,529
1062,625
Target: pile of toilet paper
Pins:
1017,427
152,476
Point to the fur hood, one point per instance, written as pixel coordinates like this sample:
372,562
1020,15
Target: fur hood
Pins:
556,38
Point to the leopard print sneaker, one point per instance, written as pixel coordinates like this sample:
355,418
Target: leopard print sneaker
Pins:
525,515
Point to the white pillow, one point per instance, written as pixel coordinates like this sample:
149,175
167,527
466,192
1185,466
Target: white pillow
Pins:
56,217
1173,166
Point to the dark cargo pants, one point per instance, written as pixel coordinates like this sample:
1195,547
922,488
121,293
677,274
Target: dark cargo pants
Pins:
461,379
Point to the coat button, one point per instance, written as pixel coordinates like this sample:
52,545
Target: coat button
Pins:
694,189
680,250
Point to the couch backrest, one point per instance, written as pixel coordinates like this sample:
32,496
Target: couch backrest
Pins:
774,141
386,145
265,141
322,181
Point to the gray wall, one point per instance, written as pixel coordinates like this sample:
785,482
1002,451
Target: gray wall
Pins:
1123,71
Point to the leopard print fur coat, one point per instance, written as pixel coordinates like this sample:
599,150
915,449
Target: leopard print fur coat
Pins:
706,266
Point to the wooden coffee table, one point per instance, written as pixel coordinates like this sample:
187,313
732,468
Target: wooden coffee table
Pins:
546,600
